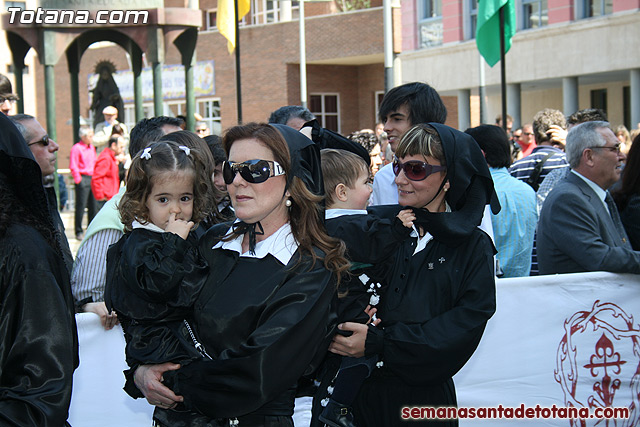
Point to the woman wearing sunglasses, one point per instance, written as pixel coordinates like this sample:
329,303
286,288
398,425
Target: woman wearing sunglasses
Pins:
264,314
441,288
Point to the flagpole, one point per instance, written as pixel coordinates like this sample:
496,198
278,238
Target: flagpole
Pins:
237,52
503,78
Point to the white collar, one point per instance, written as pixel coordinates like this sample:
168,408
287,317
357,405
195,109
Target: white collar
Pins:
281,244
334,213
148,226
422,241
602,194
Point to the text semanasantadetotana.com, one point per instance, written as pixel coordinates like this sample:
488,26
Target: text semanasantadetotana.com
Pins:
520,412
67,16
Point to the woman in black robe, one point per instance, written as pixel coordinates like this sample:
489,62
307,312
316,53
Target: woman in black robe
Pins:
266,313
441,282
38,338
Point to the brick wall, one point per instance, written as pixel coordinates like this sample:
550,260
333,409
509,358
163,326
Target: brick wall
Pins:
270,70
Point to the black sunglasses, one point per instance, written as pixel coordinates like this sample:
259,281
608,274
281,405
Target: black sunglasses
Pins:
252,171
415,170
44,141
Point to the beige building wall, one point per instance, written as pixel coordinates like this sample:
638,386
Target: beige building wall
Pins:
599,51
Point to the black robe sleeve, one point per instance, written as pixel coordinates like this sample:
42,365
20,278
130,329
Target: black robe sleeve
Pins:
38,341
295,326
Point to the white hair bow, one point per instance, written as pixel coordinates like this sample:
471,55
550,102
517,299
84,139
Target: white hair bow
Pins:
146,154
186,150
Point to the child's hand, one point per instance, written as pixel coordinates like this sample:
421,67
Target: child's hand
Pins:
371,312
407,217
179,226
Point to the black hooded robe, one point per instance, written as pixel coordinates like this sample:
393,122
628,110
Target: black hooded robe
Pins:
38,337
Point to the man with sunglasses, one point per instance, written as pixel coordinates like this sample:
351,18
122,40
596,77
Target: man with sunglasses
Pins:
580,228
44,151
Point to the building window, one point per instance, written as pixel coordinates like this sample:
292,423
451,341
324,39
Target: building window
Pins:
209,109
264,12
594,8
599,99
210,20
326,108
473,18
21,4
429,23
534,13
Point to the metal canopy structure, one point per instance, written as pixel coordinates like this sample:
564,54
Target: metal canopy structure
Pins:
163,26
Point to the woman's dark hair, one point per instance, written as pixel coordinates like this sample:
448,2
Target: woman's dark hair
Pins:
305,212
164,156
630,176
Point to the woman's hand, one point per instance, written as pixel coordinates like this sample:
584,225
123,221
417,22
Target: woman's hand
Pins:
148,378
108,320
353,345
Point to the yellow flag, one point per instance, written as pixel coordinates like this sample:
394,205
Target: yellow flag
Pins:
226,19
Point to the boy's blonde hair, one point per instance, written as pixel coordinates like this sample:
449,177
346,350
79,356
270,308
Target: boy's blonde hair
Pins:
340,167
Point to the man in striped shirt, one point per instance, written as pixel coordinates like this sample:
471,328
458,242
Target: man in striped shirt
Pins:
549,150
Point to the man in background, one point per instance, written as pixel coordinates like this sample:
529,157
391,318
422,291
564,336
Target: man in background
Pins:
7,97
293,116
515,224
81,163
580,228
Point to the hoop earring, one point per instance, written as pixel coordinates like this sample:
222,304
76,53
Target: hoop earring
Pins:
288,203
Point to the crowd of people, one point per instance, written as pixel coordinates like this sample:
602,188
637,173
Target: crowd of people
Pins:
285,260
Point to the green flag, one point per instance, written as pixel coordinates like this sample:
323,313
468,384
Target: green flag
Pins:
488,28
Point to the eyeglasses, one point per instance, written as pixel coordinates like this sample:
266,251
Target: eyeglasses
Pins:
527,133
252,171
615,148
415,170
44,141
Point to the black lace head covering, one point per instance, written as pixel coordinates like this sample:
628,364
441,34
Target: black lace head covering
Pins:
22,171
471,188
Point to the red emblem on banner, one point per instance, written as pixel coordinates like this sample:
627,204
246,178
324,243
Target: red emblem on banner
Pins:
598,364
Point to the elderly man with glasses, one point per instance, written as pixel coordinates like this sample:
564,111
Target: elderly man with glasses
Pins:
44,151
580,228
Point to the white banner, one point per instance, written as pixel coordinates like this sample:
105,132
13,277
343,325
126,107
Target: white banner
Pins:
98,398
564,340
